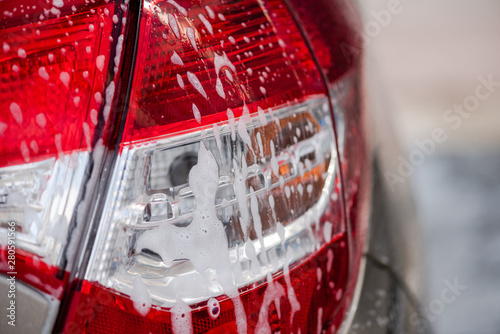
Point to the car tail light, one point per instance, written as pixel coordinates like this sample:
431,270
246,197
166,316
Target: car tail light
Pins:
223,210
57,85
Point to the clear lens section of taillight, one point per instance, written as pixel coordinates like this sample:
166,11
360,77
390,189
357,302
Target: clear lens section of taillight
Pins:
40,199
194,213
57,72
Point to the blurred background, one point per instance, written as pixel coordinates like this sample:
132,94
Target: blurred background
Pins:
429,57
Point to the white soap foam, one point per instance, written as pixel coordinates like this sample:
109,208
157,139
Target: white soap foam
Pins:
242,126
93,116
329,262
213,308
3,127
262,116
219,88
327,231
210,12
240,175
319,329
172,22
216,130
257,223
21,53
292,297
176,59
191,36
196,113
193,79
260,145
42,72
41,120
64,77
206,23
140,296
182,322
99,62
86,132
232,123
110,92
203,242
251,253
25,152
16,112
274,292
274,161
181,9
180,81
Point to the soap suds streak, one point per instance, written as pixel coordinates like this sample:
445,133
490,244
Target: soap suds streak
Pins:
172,22
181,9
219,62
273,293
196,113
181,318
206,23
193,79
257,223
176,59
191,36
203,242
242,127
292,297
140,296
240,175
16,113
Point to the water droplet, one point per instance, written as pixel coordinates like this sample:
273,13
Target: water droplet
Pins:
64,77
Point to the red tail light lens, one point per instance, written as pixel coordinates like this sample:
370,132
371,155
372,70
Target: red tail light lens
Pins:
211,65
54,66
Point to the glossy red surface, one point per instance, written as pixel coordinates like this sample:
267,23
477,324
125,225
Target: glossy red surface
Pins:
30,269
332,28
53,69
